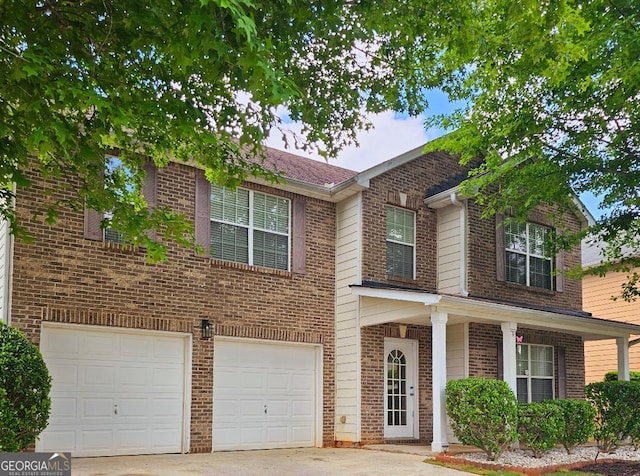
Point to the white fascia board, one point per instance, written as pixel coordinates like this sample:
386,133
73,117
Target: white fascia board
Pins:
427,299
328,193
549,320
364,177
442,199
583,209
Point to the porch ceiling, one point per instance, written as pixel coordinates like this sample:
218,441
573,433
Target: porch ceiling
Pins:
380,306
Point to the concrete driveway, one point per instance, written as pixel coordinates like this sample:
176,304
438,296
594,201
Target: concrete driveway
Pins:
303,461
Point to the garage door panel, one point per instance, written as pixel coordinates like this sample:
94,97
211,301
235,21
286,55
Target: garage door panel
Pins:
87,388
63,373
250,377
98,346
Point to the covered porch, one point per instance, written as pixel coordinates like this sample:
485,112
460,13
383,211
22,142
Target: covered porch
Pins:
382,304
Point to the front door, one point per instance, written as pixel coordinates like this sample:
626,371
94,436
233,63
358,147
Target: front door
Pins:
400,389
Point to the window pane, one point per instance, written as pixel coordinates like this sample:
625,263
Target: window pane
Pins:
230,206
399,260
270,250
541,361
113,236
400,225
522,359
229,242
541,389
537,238
540,272
515,236
516,268
521,386
270,213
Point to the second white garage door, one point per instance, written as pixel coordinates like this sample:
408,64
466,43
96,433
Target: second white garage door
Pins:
265,395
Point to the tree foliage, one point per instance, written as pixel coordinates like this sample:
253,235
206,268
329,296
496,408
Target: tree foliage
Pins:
197,81
553,95
550,93
24,390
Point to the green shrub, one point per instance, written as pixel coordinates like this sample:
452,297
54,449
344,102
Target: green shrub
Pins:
483,413
540,425
617,407
24,390
612,375
579,422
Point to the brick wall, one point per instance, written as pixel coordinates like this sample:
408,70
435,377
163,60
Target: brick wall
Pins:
62,277
412,179
482,265
483,353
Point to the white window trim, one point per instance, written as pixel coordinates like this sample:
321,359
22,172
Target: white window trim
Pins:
413,245
250,227
529,377
527,254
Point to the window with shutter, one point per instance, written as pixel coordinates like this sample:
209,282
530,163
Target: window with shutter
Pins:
534,372
116,173
250,227
524,255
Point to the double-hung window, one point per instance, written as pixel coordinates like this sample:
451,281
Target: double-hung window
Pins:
250,227
116,173
526,261
401,239
534,372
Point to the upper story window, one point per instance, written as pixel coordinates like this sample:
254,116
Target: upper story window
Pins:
534,372
401,239
526,262
118,176
250,227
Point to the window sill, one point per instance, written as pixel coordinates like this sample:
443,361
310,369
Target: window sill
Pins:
398,279
218,263
531,289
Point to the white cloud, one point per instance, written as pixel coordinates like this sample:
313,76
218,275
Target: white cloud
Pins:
390,136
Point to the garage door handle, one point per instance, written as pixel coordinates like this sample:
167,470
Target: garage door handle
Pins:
115,409
265,409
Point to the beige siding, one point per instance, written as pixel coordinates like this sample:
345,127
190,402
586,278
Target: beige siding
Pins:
5,271
601,356
449,250
348,252
457,358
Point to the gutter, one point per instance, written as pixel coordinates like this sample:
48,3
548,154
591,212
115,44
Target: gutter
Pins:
463,242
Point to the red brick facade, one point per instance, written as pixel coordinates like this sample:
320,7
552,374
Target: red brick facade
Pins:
412,179
63,277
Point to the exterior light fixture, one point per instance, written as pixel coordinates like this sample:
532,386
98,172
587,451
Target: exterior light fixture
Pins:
207,329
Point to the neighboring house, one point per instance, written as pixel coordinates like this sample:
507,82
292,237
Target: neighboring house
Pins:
597,292
329,310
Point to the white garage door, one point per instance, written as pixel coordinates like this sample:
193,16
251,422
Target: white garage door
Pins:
265,395
114,392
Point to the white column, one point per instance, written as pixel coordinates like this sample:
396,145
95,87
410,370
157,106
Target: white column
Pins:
623,357
509,354
439,379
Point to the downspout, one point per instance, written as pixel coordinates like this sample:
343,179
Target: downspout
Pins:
463,242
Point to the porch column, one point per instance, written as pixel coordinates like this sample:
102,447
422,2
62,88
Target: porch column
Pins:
439,379
509,354
623,357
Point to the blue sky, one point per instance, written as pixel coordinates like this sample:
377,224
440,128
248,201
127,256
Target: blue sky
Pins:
394,134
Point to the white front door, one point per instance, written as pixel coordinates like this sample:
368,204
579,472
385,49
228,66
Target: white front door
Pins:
400,389
266,395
